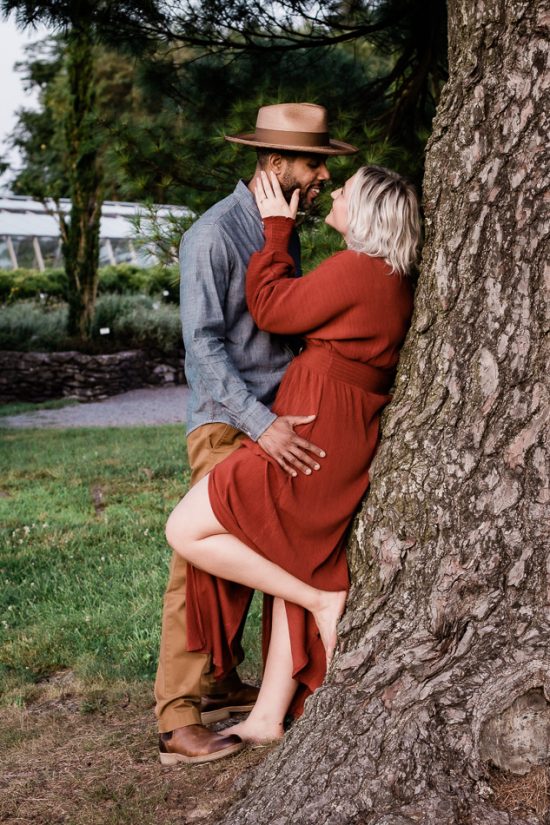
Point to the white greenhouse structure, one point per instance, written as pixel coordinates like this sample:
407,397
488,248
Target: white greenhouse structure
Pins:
30,237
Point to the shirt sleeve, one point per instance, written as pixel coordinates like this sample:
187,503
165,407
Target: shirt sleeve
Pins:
205,265
285,305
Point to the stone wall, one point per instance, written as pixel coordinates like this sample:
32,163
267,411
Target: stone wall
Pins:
41,376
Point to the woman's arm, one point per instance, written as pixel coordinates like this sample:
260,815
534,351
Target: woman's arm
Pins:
277,302
285,305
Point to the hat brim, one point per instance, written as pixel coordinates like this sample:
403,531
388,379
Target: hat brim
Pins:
335,147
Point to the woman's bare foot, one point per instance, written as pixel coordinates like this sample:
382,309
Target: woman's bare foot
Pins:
332,605
258,733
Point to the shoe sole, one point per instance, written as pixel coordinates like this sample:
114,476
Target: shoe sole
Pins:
211,716
171,759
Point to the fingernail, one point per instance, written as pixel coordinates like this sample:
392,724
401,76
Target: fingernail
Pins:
317,466
323,454
294,475
308,472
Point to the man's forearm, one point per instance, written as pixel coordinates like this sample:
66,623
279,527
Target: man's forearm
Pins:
226,387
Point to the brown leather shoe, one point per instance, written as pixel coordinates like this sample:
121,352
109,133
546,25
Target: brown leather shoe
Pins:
194,744
216,708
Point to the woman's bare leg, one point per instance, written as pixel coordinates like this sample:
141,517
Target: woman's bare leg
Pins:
265,721
194,532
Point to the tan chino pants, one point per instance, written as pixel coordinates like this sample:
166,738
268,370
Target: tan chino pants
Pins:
183,676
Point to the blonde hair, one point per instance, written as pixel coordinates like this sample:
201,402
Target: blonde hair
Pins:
384,217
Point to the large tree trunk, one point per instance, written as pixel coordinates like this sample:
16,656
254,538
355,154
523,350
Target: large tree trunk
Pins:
443,669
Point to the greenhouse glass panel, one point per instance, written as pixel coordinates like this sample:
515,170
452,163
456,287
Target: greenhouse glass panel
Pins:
51,252
24,252
122,252
104,253
5,257
27,222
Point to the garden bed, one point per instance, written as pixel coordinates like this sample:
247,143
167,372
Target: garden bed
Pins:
135,340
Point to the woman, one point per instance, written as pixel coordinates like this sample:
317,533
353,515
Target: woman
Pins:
249,523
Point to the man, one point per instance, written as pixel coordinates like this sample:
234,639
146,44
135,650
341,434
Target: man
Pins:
233,371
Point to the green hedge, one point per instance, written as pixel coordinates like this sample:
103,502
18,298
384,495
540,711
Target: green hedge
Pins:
29,283
134,322
22,284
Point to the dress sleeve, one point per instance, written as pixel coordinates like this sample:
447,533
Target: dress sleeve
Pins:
285,305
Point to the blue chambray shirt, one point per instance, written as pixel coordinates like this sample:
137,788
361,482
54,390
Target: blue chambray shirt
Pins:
233,369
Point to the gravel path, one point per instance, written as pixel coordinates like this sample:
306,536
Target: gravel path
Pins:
165,405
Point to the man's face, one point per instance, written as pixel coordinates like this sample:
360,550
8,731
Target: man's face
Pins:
306,172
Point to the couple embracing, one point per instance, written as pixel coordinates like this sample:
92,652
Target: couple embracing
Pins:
288,377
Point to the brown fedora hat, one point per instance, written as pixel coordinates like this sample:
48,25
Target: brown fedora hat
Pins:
295,127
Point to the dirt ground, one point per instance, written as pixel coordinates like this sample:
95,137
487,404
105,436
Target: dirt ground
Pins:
92,760
89,757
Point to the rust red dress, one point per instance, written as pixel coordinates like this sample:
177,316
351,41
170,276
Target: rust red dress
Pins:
354,314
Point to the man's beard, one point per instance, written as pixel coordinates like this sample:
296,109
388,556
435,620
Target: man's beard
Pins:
289,184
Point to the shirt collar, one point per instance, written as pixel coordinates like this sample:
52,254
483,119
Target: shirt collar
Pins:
247,199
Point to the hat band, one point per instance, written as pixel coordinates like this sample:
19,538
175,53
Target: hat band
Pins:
278,136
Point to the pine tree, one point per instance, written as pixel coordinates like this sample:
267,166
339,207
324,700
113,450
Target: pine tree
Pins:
83,24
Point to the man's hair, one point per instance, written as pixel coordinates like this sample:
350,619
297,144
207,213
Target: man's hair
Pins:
384,217
263,155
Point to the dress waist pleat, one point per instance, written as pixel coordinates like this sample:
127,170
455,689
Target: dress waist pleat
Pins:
366,377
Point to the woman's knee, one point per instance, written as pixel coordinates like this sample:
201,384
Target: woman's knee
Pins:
179,528
190,521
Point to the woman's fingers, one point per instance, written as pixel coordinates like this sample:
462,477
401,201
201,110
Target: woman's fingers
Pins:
270,198
260,190
271,187
275,185
278,194
294,202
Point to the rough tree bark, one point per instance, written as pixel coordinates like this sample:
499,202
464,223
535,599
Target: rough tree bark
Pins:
443,667
81,235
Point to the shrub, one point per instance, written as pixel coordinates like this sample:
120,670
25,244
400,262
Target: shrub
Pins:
133,321
6,283
165,281
122,279
138,321
20,284
27,326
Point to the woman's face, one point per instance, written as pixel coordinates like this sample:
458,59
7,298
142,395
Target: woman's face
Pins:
338,215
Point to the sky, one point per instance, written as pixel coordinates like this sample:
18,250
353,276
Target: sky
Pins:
12,94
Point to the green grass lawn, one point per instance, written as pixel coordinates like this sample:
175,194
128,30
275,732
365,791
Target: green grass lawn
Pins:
83,558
